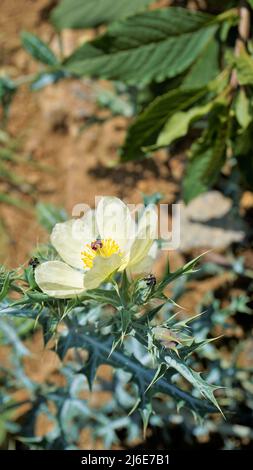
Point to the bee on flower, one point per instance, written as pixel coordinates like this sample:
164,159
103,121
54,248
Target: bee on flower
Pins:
92,248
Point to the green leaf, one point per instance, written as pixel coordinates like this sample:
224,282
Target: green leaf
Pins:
49,327
125,317
162,369
16,202
207,155
243,110
244,68
12,338
186,351
188,268
103,296
146,412
78,14
177,126
205,69
145,129
49,215
5,287
7,91
29,277
154,45
38,49
150,314
194,378
142,376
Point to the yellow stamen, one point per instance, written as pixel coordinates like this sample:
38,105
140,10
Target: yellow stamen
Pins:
104,248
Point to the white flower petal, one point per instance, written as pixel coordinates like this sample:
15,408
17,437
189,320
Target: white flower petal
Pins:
146,264
101,269
59,280
146,234
114,221
69,238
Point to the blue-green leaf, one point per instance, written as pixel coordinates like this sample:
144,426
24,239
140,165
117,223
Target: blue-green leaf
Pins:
38,49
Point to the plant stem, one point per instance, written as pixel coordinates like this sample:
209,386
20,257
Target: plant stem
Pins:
243,35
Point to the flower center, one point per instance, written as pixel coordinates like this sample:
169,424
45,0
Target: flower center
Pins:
104,248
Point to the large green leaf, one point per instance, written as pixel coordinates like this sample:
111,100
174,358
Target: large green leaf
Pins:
207,155
178,125
144,131
150,46
244,67
205,69
85,14
38,49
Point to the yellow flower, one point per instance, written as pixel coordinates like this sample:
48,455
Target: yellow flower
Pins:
93,247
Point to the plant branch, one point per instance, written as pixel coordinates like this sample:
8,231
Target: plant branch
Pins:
119,359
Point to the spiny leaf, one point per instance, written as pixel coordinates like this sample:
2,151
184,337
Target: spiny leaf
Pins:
243,109
149,46
141,375
194,378
186,269
79,14
103,296
186,351
150,314
90,368
49,327
158,375
125,316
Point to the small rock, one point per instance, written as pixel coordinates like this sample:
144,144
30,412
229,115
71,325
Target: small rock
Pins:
209,222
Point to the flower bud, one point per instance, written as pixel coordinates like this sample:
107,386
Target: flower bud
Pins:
144,289
167,337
